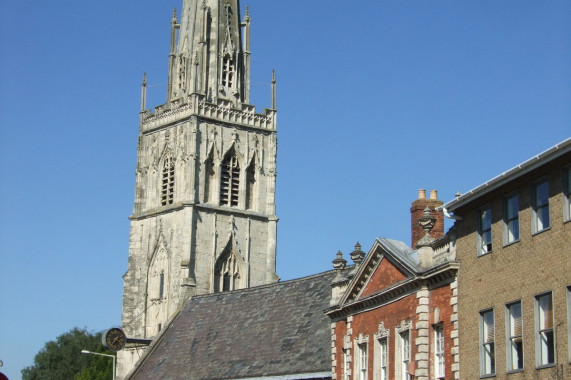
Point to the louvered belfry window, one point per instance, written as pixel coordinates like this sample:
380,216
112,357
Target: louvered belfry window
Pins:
167,185
230,181
227,71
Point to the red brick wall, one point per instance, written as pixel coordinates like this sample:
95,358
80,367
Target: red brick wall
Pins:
385,275
440,298
391,315
340,332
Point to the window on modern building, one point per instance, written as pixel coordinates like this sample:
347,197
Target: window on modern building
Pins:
567,194
514,332
511,219
487,348
250,186
167,186
230,181
439,361
544,339
161,285
405,354
540,205
485,229
383,359
362,361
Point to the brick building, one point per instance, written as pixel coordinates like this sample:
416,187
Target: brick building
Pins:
514,283
394,314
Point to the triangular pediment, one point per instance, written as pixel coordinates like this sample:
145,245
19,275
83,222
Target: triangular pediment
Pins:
387,264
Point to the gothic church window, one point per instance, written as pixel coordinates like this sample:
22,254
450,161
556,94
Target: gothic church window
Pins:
167,185
227,272
230,181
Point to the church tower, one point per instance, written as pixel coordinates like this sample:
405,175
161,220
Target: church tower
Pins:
204,218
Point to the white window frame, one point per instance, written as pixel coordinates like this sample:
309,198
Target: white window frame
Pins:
439,352
567,194
405,353
539,208
360,364
511,221
514,337
485,231
544,332
346,365
401,372
362,361
487,343
381,359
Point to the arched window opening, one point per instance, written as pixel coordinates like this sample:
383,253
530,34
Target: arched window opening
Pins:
230,181
167,188
250,186
227,273
228,71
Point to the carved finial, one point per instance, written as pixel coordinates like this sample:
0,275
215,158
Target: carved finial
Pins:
357,255
196,60
339,263
427,221
458,194
174,19
203,6
247,12
144,92
274,102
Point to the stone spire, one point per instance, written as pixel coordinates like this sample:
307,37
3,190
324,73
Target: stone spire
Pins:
212,31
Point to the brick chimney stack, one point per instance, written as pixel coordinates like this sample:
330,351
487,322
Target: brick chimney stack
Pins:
417,212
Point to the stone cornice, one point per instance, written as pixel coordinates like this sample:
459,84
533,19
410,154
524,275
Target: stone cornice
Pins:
439,275
203,207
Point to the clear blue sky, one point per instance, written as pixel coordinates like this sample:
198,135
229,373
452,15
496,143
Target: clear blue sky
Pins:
376,99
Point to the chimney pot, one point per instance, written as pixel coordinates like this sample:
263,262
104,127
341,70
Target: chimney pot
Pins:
433,194
421,194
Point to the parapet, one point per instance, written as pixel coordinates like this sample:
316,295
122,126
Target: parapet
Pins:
196,104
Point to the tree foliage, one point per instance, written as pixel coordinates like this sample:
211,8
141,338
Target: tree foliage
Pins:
62,359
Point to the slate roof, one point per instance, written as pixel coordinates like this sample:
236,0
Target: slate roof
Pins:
402,252
277,330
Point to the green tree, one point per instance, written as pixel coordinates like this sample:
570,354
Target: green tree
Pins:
62,359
